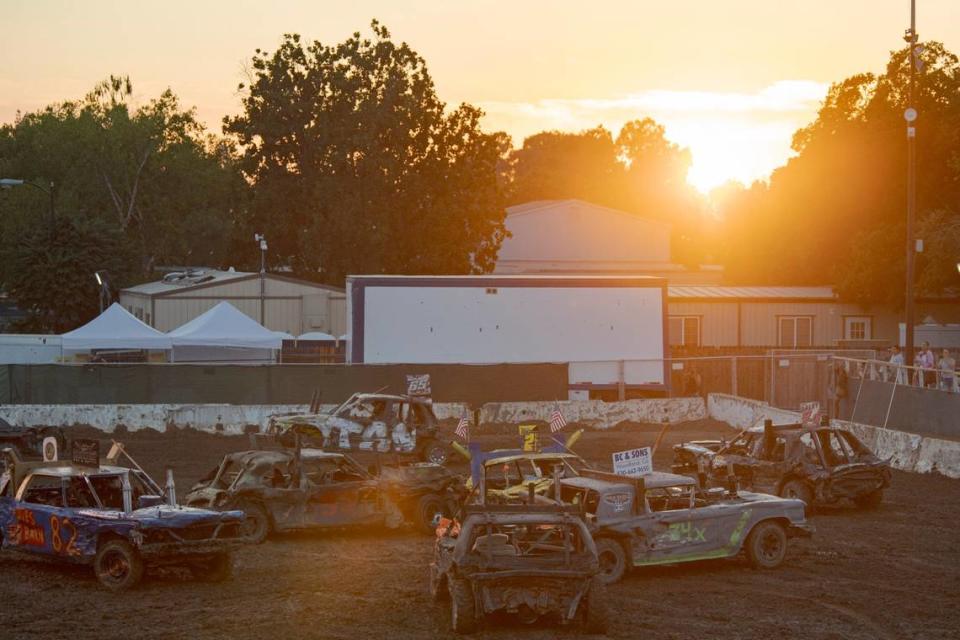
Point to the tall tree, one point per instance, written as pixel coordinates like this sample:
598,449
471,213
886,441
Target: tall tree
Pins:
834,213
358,166
640,171
150,173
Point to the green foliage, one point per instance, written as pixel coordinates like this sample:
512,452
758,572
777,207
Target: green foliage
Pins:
51,270
641,172
835,213
358,167
149,173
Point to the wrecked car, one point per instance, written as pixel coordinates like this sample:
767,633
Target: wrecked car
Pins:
28,442
662,518
373,422
112,518
817,464
529,561
309,488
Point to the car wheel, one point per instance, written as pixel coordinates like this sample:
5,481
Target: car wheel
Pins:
597,610
870,500
117,565
434,451
219,568
463,606
767,545
430,508
612,556
256,522
797,490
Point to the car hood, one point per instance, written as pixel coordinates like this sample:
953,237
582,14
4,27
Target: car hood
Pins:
165,516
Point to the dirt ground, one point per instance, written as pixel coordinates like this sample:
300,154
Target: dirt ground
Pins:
889,573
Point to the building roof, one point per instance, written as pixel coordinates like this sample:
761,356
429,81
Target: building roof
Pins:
536,205
192,279
679,292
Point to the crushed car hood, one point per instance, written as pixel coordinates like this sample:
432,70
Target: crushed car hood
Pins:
165,516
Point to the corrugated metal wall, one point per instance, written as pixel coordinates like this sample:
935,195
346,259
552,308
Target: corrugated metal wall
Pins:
289,306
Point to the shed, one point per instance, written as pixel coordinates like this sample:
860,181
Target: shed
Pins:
277,302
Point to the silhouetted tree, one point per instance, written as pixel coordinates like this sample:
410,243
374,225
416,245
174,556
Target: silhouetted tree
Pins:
358,168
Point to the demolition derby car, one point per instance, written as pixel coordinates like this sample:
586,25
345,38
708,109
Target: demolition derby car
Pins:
368,422
29,442
530,561
662,518
112,518
817,464
309,488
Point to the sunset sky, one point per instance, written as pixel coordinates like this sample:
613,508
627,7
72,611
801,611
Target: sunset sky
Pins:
730,79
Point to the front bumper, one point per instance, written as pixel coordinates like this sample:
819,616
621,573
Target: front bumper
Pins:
801,530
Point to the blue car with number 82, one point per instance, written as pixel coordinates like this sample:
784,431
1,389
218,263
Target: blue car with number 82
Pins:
112,518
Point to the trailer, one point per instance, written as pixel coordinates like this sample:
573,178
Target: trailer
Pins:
612,330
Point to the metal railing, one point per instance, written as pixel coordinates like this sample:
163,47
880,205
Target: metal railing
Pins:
902,374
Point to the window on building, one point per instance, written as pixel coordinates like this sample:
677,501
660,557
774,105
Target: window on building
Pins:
148,318
795,331
684,331
857,328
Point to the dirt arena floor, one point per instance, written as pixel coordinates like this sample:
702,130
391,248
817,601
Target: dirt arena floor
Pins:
889,573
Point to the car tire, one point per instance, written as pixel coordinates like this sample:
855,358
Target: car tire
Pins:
797,490
870,500
463,606
432,450
117,565
428,506
219,568
597,610
612,555
767,545
256,522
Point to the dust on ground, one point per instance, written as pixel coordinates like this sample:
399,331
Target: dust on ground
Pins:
889,573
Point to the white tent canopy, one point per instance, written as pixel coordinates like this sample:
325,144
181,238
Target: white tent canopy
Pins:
225,326
115,328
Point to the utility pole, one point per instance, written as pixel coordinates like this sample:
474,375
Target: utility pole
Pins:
910,115
259,237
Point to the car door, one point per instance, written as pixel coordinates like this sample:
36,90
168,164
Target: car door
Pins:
339,494
41,523
675,533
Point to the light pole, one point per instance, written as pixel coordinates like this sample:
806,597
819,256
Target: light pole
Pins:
260,238
101,277
910,115
9,183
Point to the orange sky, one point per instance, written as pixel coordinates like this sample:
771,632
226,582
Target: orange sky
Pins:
731,79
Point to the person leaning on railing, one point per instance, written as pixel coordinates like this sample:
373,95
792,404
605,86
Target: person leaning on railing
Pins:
947,367
896,359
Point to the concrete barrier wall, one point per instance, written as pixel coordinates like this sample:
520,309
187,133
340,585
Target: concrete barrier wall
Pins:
906,451
235,419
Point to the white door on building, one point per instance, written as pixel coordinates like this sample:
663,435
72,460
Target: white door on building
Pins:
857,328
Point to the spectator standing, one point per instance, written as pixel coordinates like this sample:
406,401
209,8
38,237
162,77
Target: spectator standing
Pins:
896,359
928,363
948,370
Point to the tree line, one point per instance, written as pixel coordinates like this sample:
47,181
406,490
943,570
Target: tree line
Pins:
346,158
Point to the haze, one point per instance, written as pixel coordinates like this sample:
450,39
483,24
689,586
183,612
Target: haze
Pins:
731,91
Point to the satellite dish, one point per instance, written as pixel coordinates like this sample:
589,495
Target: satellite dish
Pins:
50,449
910,114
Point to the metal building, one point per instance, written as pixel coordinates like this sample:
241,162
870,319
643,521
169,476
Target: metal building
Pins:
278,302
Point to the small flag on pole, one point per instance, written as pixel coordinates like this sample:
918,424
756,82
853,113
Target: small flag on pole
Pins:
556,420
463,426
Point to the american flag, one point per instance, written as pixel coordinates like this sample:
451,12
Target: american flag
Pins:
556,421
462,429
